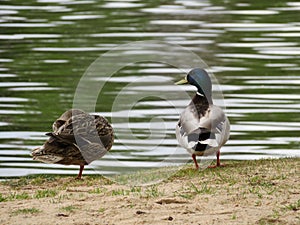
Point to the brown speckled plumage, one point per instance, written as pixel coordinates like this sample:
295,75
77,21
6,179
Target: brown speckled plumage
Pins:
77,139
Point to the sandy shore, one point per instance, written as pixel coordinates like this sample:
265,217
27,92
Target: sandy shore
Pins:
251,192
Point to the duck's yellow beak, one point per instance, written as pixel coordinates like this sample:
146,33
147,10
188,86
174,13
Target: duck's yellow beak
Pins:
183,81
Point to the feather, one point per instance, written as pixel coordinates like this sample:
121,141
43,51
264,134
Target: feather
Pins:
203,127
77,139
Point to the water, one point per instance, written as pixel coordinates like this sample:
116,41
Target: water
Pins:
47,45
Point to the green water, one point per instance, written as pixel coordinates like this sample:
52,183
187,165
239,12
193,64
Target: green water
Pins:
46,46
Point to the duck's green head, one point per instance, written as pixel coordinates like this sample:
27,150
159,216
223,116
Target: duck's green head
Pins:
200,79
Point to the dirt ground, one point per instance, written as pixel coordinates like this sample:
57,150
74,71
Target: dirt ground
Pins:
251,192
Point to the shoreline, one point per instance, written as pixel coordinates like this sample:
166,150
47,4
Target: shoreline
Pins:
243,192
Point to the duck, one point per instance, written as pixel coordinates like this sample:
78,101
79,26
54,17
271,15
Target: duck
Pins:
203,128
77,138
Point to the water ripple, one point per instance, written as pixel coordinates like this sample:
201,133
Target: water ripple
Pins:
122,4
27,25
44,8
24,36
251,47
253,56
81,17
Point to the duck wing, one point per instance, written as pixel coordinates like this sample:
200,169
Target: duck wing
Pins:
201,130
65,117
105,131
91,134
55,151
219,124
78,128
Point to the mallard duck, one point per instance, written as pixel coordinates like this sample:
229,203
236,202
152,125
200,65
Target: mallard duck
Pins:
77,139
203,128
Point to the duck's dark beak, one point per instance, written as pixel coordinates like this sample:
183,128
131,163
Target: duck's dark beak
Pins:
183,81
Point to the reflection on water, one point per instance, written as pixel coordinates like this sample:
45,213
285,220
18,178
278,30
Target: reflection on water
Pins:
252,47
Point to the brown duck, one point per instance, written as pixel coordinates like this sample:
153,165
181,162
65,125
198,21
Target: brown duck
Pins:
77,139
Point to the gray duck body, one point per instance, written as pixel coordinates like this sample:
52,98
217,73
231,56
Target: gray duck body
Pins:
203,128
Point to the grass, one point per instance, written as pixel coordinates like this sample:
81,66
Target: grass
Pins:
294,206
153,192
35,180
254,184
69,208
2,198
18,196
101,210
233,217
60,198
97,190
145,176
192,190
204,189
136,191
58,181
123,192
45,193
277,214
14,196
26,211
24,195
222,175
